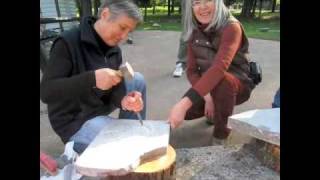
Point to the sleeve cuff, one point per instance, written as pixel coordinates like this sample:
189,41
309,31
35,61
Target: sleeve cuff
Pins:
193,95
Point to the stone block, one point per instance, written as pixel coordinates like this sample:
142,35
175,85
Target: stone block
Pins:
262,124
122,146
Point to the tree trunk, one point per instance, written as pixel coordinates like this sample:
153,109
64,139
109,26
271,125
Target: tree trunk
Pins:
86,8
246,8
96,4
254,8
227,3
169,12
260,9
274,4
172,6
154,7
160,169
78,7
145,11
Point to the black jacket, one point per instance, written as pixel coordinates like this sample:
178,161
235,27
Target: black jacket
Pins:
68,84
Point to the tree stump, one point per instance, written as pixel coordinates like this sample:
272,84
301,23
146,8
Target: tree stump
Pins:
162,168
268,154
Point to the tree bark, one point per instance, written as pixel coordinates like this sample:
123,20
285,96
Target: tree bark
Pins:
86,8
246,8
172,6
96,4
260,8
274,4
254,8
169,12
145,12
227,3
154,7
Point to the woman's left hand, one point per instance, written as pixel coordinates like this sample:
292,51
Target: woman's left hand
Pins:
132,102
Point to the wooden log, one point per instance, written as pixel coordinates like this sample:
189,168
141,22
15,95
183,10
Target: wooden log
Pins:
268,154
162,168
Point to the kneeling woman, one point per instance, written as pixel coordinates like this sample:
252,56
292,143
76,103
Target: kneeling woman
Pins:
217,66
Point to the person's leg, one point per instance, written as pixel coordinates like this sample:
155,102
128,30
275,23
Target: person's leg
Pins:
88,132
226,95
130,40
182,56
182,51
138,83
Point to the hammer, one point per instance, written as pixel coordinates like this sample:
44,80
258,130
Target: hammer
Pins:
126,71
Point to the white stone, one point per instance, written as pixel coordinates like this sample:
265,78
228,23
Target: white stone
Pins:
121,146
262,124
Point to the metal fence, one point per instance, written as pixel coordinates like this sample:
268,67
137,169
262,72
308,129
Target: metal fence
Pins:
56,16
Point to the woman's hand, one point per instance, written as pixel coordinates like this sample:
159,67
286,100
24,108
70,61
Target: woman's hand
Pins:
178,112
132,102
106,78
208,107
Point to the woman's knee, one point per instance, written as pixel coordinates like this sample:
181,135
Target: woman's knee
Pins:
90,129
225,89
139,81
232,89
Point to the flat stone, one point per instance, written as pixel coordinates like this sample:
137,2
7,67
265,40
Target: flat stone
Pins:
122,145
263,124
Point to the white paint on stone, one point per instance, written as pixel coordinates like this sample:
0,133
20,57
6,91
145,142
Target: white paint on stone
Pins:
119,147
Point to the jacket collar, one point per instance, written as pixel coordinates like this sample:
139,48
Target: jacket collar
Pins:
87,33
86,30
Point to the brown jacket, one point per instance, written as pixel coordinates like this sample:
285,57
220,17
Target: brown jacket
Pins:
205,45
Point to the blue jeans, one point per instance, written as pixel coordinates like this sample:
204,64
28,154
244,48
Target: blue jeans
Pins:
276,99
92,127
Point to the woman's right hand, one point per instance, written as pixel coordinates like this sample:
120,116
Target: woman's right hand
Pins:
106,78
178,112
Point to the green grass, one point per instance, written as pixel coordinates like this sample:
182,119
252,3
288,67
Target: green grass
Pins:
252,26
160,10
172,23
268,20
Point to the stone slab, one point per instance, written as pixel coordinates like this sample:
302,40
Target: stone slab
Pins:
122,145
262,124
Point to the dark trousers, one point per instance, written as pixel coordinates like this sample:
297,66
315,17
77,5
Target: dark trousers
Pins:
229,92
